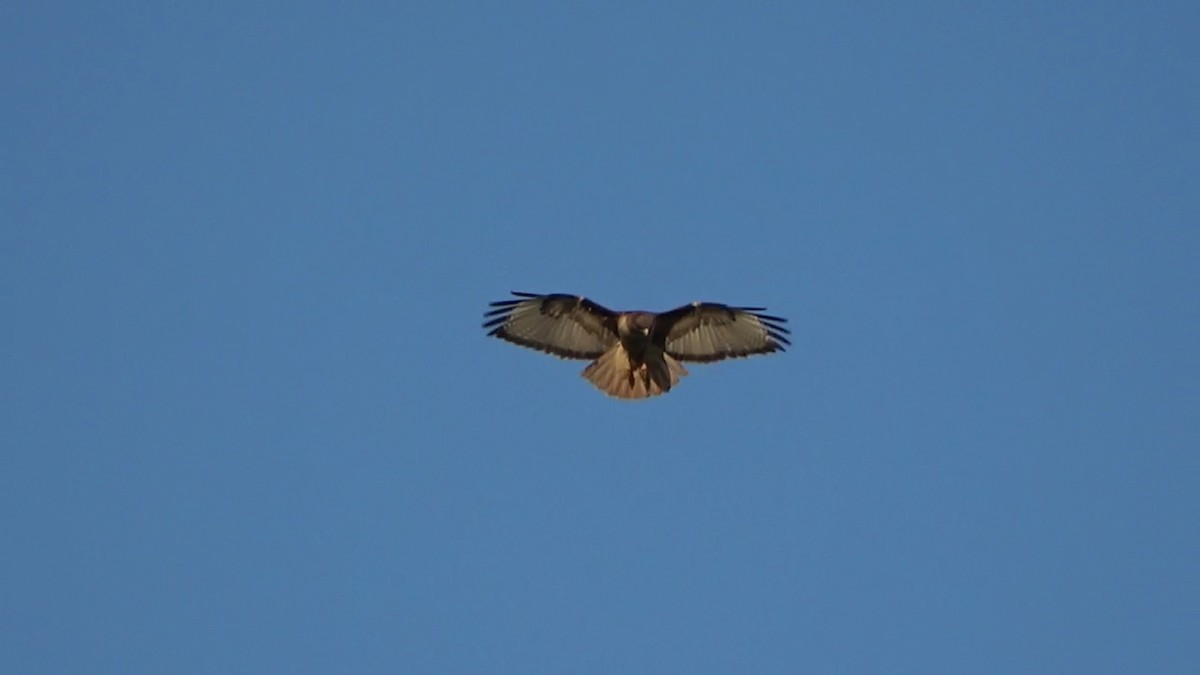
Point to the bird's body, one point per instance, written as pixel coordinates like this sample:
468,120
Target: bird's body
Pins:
638,365
634,354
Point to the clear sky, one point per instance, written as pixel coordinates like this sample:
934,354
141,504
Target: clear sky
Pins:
251,422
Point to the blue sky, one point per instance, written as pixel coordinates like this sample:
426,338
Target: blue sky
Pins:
251,423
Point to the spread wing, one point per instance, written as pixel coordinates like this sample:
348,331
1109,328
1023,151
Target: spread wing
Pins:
708,331
569,326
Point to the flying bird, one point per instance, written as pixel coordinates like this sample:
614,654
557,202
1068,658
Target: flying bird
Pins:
634,354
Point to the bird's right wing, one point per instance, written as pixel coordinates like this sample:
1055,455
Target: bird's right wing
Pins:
569,326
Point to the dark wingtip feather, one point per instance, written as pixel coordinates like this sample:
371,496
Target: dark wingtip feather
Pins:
499,310
773,324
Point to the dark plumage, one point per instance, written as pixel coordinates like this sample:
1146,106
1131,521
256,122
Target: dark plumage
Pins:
634,354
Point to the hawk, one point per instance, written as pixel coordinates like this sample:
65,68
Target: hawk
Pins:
634,355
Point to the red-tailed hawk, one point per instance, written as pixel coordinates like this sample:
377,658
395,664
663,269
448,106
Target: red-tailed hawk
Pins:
634,354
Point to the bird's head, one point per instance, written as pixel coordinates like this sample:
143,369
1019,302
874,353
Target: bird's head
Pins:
635,323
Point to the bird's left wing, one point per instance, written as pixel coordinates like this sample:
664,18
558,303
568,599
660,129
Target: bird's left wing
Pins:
569,326
708,331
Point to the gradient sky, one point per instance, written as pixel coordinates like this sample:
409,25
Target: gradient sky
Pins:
251,422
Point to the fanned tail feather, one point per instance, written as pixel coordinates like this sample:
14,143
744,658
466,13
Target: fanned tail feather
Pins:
614,375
